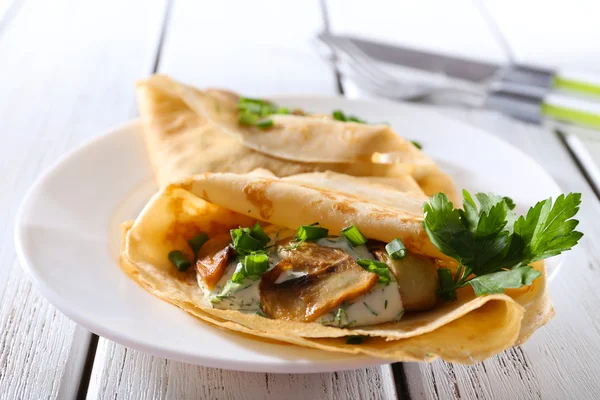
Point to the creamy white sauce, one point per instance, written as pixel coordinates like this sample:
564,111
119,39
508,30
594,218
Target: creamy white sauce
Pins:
243,296
358,252
381,304
228,295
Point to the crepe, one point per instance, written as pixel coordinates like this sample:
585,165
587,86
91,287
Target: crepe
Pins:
465,331
188,131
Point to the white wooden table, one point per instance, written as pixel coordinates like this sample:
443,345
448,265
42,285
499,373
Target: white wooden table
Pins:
67,69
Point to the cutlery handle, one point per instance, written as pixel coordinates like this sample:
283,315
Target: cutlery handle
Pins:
584,83
571,110
555,106
577,82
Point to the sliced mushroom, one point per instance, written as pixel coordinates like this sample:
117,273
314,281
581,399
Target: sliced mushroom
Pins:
417,279
213,259
332,277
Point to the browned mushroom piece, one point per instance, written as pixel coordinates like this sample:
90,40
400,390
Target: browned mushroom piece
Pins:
213,259
417,278
332,277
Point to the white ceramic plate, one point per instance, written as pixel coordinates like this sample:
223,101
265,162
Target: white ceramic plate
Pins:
67,234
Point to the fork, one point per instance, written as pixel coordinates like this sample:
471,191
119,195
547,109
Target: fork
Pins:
367,74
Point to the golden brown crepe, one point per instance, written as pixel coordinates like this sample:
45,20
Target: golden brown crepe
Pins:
188,131
465,331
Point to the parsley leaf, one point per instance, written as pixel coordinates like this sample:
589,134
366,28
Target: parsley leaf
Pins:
548,230
509,202
491,243
496,282
445,228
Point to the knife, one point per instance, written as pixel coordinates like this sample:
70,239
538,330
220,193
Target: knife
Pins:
525,92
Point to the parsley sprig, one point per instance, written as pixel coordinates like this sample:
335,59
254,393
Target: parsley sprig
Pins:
495,246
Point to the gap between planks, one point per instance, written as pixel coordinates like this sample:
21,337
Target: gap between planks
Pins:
582,158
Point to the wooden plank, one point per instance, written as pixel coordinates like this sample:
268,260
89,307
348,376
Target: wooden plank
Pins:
202,49
123,373
66,74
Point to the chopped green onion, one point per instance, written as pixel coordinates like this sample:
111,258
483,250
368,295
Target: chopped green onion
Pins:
252,108
417,144
179,260
230,288
239,274
264,123
246,118
267,109
256,264
338,115
257,233
311,233
396,249
238,277
247,100
283,110
353,236
246,243
197,242
355,339
353,118
376,267
243,242
340,317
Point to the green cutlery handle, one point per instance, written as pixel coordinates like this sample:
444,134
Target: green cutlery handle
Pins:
577,82
576,111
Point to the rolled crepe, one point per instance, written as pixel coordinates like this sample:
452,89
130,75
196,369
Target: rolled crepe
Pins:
465,331
189,131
